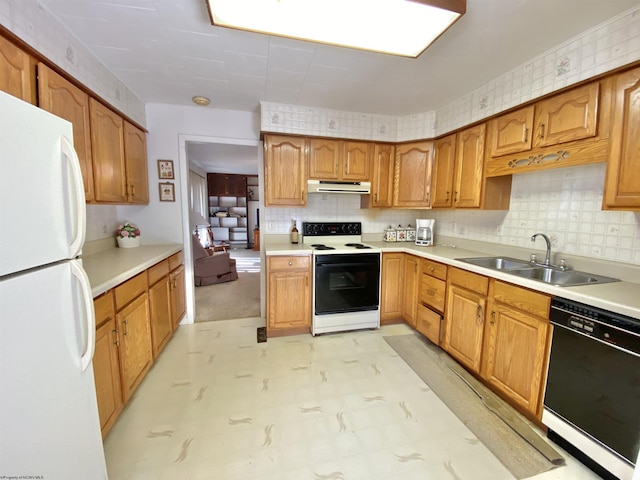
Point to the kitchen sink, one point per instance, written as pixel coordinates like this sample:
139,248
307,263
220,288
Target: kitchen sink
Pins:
540,273
496,263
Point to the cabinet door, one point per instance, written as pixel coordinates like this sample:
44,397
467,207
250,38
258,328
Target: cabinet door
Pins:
160,315
412,176
391,289
324,159
464,323
622,185
16,71
443,170
60,97
356,161
135,344
288,298
515,355
512,132
285,171
411,284
382,183
568,116
135,150
106,365
469,164
107,142
178,305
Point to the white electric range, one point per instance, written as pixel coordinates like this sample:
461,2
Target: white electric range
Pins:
346,277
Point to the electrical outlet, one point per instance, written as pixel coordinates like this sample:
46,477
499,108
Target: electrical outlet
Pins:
105,229
271,226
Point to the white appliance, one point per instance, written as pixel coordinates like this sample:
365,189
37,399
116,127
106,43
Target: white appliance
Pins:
424,232
331,186
49,426
346,277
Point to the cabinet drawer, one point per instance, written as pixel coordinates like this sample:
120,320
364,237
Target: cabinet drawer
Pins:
435,269
470,281
158,271
103,306
132,288
432,292
526,300
289,263
176,260
429,323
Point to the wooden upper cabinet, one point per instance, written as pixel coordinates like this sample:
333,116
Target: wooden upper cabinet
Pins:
135,154
60,97
512,132
324,159
17,72
382,183
469,166
339,160
568,116
412,176
107,141
622,184
285,170
356,161
443,170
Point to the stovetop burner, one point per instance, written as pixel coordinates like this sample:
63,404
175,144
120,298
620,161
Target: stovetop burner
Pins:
357,245
320,246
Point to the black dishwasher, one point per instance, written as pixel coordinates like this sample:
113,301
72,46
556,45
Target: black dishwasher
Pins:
592,398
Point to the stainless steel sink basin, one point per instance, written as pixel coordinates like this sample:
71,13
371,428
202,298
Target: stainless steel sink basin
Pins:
561,278
496,263
549,275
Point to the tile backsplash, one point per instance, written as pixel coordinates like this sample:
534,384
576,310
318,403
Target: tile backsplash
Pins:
565,204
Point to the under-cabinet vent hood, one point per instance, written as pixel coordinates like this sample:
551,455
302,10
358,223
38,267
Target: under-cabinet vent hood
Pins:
328,186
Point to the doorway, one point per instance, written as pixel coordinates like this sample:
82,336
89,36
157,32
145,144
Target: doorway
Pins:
242,297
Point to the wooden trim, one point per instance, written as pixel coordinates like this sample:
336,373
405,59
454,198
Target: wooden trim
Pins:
9,35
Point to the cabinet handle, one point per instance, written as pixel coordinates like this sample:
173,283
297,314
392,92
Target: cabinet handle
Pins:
427,198
447,199
525,132
125,327
493,317
542,130
479,315
455,197
116,342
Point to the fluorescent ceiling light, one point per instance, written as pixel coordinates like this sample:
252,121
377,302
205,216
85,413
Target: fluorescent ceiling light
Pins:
397,27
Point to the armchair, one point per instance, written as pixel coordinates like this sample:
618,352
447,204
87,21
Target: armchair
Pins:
210,269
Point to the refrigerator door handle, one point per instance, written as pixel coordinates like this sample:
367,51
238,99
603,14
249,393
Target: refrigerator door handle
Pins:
76,196
89,317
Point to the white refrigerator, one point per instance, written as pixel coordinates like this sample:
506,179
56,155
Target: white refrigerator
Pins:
49,426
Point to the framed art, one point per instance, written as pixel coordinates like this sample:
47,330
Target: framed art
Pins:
165,170
167,192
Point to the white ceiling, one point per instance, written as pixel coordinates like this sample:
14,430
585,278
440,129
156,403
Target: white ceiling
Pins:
167,51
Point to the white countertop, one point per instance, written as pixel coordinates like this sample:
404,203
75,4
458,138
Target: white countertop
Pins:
111,267
620,297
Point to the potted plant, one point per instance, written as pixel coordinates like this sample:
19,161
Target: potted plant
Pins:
128,235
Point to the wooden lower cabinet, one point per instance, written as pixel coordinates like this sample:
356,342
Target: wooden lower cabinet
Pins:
177,295
464,319
431,299
516,345
411,268
106,363
132,318
288,295
160,306
391,280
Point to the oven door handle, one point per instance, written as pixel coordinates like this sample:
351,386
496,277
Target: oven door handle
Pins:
341,264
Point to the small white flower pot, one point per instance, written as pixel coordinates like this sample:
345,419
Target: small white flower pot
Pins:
128,242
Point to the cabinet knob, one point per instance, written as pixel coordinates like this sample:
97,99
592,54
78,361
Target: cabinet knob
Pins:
290,263
431,269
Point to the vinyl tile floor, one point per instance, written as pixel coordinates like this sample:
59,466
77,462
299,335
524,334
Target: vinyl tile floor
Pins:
217,405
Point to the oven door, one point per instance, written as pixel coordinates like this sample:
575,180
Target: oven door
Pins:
596,388
346,283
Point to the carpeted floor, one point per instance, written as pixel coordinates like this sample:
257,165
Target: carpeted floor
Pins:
500,428
236,299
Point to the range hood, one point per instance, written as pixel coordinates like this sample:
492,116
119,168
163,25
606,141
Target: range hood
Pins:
330,186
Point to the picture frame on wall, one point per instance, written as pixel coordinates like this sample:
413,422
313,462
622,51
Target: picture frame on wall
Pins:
165,170
167,192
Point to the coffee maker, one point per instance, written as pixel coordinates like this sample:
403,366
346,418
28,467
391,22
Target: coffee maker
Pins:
424,232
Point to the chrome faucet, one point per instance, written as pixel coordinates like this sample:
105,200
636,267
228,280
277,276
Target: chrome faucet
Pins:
547,260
